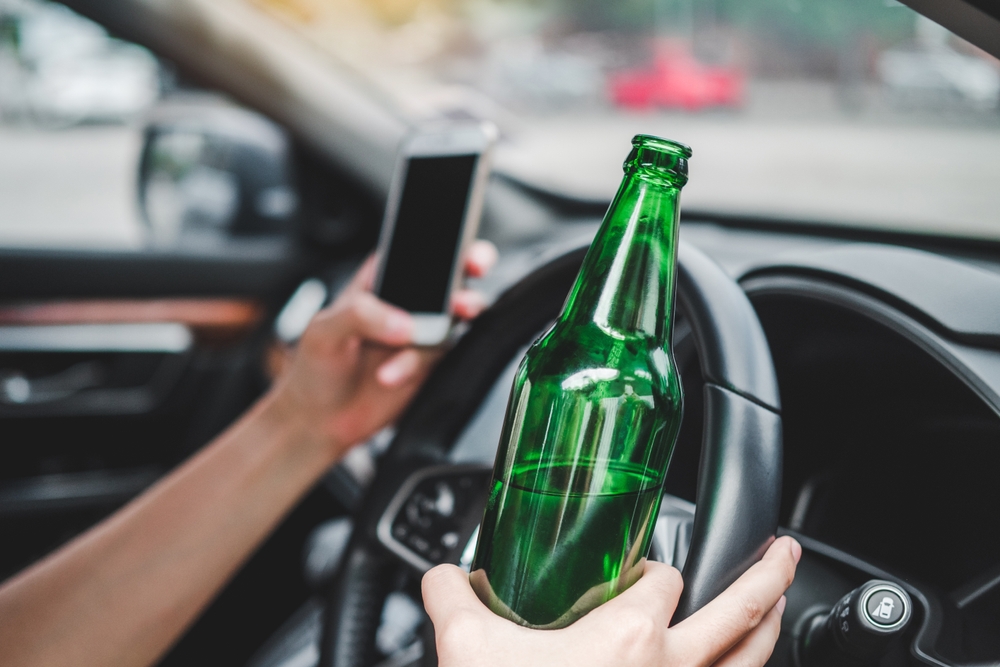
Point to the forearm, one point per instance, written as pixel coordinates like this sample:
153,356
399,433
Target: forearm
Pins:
123,592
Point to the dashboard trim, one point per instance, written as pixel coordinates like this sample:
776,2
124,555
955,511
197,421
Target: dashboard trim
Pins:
969,364
164,337
922,284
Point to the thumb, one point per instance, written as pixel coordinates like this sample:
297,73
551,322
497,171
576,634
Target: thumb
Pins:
447,593
362,314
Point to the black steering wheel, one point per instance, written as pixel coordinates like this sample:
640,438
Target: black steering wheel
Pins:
739,477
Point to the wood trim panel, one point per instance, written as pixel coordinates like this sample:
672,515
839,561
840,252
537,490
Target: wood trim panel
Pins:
211,320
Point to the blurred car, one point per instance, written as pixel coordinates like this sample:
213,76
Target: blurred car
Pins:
524,70
932,72
69,71
942,76
677,80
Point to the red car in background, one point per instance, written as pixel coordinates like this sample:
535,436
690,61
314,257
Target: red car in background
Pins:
677,80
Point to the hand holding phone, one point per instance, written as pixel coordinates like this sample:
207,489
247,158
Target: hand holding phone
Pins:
432,214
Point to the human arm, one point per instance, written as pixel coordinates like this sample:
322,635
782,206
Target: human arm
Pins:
738,628
124,591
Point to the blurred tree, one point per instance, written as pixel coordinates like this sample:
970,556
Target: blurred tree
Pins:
827,23
808,36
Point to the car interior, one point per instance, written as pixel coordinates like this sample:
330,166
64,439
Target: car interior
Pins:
841,380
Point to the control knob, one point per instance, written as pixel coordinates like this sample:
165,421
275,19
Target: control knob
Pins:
859,628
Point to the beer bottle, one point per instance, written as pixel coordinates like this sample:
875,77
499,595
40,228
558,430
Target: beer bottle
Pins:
592,417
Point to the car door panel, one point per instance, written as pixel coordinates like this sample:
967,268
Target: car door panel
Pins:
116,365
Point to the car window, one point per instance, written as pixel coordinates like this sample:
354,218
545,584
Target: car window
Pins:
855,111
102,148
859,112
70,101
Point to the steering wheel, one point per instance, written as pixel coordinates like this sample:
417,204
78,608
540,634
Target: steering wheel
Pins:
739,477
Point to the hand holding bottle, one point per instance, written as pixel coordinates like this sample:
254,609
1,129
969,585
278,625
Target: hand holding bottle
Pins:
740,627
593,417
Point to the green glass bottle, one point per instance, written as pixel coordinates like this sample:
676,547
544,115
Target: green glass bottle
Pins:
592,417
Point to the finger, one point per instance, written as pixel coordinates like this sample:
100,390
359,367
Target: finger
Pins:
364,277
480,258
408,366
447,594
719,625
755,649
363,314
656,593
399,368
467,304
663,584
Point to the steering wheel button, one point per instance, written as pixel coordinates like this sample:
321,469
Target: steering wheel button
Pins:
419,543
884,607
444,504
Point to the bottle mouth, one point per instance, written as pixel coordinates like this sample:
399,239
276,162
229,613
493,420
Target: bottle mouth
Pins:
660,156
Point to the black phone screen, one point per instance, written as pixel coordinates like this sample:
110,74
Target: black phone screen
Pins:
421,255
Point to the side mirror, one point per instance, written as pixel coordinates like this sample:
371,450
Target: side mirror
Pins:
210,171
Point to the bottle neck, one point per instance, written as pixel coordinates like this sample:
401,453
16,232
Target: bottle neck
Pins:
626,283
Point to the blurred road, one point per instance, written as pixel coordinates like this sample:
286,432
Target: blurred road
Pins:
793,154
69,188
890,174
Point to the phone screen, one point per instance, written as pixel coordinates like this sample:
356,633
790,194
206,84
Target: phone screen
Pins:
421,255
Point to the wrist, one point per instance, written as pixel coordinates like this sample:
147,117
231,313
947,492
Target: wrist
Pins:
285,424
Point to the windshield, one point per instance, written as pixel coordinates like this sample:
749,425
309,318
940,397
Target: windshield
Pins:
854,111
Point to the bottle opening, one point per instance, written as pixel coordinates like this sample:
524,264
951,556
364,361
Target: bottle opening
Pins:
660,156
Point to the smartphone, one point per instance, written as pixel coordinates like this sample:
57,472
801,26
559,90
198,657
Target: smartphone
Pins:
435,202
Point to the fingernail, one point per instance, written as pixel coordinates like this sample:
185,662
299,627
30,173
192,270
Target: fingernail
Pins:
392,374
468,304
395,371
781,605
796,550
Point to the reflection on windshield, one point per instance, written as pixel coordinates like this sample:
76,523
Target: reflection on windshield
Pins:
849,111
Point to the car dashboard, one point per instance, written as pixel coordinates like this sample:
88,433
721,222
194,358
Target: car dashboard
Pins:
887,355
888,362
